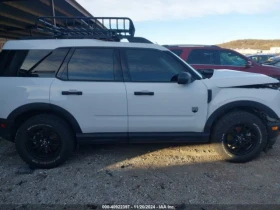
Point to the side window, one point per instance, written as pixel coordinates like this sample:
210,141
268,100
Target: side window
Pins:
278,64
201,56
92,64
152,66
263,59
254,58
177,52
33,57
42,63
229,58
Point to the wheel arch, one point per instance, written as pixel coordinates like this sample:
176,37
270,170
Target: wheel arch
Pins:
22,113
241,105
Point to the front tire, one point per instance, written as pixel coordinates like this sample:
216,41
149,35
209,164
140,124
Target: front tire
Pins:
239,136
44,141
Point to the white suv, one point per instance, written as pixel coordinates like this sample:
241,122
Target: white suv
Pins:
57,93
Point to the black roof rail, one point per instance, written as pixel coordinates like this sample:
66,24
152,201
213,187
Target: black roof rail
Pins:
191,45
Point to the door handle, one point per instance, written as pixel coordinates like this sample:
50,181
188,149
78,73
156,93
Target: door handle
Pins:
144,93
77,93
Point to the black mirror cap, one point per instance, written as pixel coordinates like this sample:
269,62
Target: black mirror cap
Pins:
184,78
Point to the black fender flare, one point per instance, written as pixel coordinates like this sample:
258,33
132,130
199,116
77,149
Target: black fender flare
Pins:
41,107
237,104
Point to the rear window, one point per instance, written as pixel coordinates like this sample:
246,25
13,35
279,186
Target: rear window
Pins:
10,61
2,59
5,58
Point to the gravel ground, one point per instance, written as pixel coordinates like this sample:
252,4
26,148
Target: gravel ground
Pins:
141,174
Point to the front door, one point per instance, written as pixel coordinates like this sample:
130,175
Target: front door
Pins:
156,103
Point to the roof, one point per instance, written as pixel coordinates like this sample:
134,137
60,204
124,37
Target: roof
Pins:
50,44
17,18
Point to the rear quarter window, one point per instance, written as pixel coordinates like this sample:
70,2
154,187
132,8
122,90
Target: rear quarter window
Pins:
42,63
32,63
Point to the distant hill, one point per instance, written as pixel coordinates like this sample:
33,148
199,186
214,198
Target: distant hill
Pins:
251,44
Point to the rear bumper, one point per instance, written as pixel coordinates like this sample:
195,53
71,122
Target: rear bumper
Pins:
4,129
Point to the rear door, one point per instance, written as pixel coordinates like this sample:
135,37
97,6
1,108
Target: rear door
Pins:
90,87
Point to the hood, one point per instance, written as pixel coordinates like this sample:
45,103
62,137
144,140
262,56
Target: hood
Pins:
231,78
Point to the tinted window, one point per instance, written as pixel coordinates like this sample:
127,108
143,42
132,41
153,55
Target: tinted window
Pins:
5,58
201,56
277,64
92,64
152,66
10,62
42,63
254,58
229,58
33,57
177,52
264,58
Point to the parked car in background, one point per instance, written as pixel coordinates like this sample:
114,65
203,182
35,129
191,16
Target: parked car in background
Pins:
261,58
206,58
275,61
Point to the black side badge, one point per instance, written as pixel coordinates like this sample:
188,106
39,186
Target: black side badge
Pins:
195,109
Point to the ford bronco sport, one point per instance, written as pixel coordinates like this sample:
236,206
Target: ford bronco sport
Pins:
72,89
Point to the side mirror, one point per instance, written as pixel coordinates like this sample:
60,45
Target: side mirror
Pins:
184,78
249,64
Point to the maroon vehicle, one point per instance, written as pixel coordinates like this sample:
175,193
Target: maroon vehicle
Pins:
205,59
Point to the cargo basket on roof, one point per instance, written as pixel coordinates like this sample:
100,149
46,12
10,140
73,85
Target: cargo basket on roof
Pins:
103,28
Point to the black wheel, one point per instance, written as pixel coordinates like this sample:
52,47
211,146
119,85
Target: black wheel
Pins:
239,136
44,141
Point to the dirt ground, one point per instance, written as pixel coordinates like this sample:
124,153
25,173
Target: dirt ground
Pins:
141,174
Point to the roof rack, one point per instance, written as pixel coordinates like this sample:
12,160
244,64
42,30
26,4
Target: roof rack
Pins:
97,27
104,28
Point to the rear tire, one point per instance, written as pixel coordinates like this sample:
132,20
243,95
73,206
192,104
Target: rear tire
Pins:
239,136
44,141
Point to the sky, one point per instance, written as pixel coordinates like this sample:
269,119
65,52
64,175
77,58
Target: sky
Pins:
194,21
